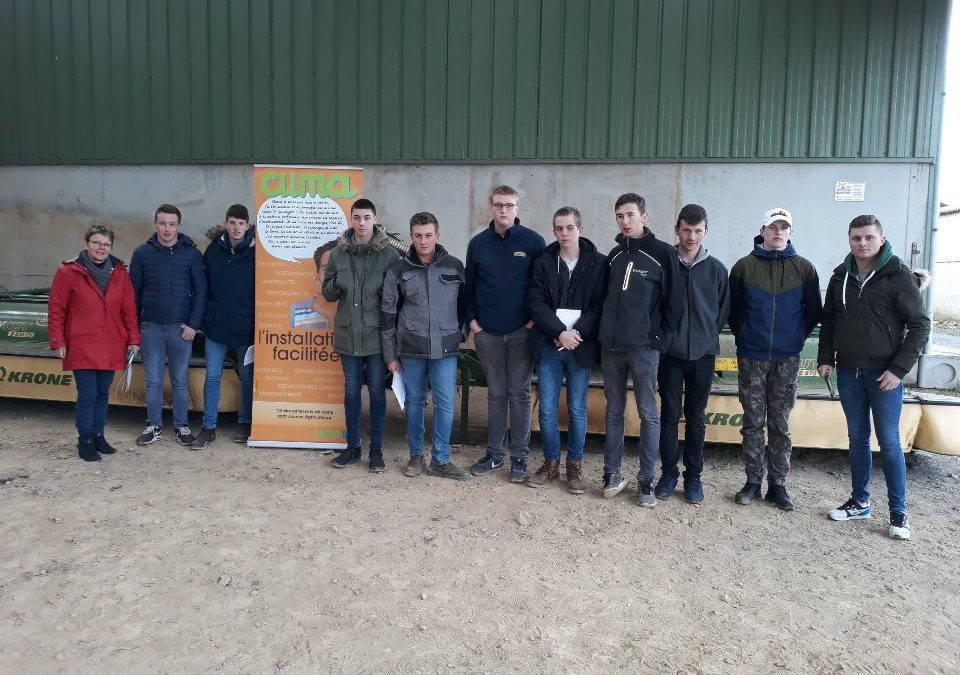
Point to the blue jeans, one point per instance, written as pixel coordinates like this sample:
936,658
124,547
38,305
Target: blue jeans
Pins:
442,375
215,353
93,397
551,368
642,364
859,395
161,344
357,370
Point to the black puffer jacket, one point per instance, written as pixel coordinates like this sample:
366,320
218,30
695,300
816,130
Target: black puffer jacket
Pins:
881,324
553,287
230,283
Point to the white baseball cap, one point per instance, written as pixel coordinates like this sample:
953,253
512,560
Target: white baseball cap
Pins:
773,215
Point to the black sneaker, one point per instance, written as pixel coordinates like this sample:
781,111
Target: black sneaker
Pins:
376,461
203,439
448,470
346,458
693,490
242,434
101,445
665,487
150,435
777,495
748,494
518,471
414,466
486,464
184,435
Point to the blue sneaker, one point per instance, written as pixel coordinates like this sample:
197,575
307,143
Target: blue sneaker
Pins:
851,510
486,464
693,490
518,471
665,486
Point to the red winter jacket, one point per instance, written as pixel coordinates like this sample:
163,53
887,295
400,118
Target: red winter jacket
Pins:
95,328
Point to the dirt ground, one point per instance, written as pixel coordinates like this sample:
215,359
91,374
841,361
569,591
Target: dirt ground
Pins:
235,560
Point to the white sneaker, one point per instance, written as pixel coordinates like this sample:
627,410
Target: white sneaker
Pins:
899,525
851,510
614,485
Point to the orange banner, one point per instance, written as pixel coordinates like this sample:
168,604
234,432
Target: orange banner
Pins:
298,383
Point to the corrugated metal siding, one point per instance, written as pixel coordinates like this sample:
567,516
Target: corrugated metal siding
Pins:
469,80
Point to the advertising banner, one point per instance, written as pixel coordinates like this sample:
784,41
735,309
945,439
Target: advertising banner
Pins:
298,383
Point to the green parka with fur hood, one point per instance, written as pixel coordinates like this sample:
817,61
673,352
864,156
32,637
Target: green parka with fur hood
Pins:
354,280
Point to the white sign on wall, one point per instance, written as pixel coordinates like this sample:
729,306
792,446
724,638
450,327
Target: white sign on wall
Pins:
844,191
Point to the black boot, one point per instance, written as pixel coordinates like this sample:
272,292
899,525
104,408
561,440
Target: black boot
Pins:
376,461
104,448
85,449
346,457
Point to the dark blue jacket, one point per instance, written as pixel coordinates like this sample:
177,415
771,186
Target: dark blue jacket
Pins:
230,272
553,288
774,302
498,271
168,282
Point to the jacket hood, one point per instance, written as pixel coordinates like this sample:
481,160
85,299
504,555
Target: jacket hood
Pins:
586,246
761,252
412,257
182,240
887,265
702,255
886,253
347,241
248,241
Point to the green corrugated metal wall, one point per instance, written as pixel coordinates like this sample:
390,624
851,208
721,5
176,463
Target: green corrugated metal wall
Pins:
173,81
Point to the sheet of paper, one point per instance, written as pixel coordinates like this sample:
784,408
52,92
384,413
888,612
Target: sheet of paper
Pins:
399,388
568,317
248,357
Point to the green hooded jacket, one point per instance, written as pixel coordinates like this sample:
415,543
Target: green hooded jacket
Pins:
354,280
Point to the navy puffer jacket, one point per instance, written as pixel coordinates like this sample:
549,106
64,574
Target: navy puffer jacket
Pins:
228,318
168,282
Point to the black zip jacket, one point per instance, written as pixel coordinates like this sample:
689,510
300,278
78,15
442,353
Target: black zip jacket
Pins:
643,304
880,324
553,287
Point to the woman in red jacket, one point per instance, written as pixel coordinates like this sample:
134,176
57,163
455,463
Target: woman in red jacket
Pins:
93,327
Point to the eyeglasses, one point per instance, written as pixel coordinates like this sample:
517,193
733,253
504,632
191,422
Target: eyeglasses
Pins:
504,206
100,244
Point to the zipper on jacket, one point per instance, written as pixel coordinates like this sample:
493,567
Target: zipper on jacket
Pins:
626,275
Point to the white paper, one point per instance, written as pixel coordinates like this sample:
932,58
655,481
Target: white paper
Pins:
568,317
399,388
846,191
248,356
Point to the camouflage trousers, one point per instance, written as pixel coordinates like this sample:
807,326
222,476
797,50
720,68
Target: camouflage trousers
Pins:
768,391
